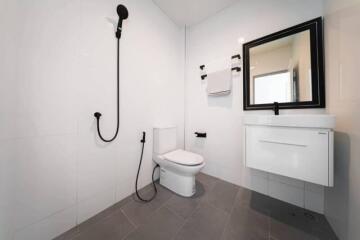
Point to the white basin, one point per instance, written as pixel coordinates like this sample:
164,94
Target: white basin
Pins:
302,121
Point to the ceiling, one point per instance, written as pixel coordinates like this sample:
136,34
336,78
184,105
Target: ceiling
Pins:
190,12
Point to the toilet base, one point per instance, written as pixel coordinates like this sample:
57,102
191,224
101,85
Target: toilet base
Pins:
180,184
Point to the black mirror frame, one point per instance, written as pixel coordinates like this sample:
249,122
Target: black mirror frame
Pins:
317,66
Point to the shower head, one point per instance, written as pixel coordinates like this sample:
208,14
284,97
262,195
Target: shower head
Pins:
123,14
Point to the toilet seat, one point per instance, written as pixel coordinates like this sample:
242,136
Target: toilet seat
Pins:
184,158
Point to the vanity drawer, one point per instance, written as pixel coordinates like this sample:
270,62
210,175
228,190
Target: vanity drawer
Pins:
300,153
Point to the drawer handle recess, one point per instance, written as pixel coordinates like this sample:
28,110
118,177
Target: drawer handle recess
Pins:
283,143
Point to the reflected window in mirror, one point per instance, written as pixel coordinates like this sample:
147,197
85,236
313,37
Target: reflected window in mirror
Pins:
285,67
272,87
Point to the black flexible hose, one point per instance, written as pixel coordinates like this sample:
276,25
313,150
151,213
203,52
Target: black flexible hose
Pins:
98,115
137,177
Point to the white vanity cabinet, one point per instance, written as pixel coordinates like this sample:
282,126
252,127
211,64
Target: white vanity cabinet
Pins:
298,146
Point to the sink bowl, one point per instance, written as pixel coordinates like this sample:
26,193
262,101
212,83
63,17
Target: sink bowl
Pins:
302,121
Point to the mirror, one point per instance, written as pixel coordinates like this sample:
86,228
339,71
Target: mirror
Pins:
285,67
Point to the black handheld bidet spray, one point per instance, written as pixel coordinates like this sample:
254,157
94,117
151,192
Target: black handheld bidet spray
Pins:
123,14
138,173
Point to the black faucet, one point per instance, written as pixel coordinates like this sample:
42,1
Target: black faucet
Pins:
276,108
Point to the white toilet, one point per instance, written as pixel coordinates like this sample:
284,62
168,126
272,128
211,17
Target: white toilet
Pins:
177,167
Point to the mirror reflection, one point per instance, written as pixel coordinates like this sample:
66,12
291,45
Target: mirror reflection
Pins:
280,70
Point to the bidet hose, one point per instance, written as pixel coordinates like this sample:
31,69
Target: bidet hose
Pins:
138,172
98,115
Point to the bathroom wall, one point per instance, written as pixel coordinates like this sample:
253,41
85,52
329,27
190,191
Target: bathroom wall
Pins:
58,66
342,37
220,37
7,103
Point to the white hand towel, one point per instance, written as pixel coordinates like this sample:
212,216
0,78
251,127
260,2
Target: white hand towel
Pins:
219,83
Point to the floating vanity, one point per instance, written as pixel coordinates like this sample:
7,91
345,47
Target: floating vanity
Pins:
296,146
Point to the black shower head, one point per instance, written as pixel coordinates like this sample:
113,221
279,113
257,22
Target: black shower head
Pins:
123,14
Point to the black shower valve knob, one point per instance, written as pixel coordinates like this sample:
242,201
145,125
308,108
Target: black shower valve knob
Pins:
97,115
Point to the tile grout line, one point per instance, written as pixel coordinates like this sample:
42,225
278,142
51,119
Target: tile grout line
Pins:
229,217
186,221
128,218
193,213
138,226
199,206
45,218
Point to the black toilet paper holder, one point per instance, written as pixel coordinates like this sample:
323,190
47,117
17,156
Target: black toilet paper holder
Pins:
200,135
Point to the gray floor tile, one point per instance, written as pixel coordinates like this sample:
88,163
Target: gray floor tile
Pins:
256,201
218,210
71,234
284,231
248,224
138,212
206,179
182,206
324,233
289,222
207,221
202,191
104,214
243,197
114,227
163,225
223,195
190,233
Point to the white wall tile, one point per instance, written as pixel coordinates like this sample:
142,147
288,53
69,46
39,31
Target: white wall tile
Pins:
49,227
287,180
6,188
287,193
314,201
314,188
44,177
90,207
342,35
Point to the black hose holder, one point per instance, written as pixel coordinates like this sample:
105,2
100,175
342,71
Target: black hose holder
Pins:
200,135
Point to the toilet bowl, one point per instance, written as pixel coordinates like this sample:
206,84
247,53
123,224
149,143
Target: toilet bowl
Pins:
178,167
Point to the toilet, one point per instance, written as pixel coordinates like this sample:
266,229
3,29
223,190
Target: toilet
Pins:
177,167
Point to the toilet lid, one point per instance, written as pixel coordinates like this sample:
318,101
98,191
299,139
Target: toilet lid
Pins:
184,158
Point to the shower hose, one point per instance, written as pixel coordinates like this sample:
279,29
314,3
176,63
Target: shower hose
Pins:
98,115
